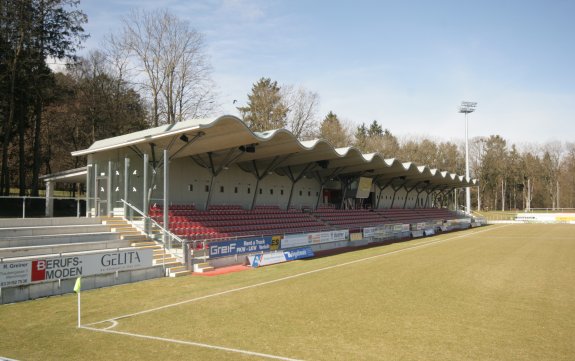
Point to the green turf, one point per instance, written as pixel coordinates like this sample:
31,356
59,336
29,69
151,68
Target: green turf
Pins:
502,292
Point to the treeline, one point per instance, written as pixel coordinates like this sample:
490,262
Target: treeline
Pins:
31,31
154,71
510,176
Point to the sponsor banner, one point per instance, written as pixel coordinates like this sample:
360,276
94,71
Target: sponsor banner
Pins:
369,232
387,230
276,242
241,246
265,259
356,236
298,253
15,273
46,269
308,239
421,226
416,234
377,232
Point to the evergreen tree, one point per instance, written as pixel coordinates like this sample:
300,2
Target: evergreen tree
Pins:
332,131
30,32
266,109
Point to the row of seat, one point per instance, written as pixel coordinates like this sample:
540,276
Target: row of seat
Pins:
233,221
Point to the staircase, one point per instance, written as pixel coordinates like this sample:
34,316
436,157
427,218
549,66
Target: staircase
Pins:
173,267
33,237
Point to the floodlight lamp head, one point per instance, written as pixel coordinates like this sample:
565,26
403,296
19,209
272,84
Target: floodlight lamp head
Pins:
467,107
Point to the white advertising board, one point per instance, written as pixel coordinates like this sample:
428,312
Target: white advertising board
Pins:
72,266
308,239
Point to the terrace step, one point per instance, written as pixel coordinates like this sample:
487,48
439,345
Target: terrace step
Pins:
203,267
160,255
134,237
168,264
179,271
114,221
169,260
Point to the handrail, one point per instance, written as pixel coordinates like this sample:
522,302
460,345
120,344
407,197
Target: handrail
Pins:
169,236
24,198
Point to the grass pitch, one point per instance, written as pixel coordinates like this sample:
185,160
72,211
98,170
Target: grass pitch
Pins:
502,292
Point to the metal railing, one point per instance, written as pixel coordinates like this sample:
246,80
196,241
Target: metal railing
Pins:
171,243
549,210
27,208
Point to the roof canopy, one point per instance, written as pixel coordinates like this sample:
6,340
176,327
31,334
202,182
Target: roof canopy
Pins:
220,142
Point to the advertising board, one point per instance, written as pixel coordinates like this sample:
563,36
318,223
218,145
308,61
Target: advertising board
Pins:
265,259
72,266
241,246
308,239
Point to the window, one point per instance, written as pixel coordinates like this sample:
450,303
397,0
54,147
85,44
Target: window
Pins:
300,193
282,192
207,188
249,190
271,191
191,187
309,193
236,190
221,189
261,191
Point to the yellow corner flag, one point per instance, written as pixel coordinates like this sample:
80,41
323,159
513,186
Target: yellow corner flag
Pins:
78,284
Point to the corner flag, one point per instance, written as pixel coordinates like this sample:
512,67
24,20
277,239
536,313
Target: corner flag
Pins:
78,284
77,288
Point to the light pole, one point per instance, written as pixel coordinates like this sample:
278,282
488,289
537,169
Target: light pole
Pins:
466,108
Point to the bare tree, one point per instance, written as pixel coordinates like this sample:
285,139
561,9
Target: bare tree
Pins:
302,107
553,156
170,56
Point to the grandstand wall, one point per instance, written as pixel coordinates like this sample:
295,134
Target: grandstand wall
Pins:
190,183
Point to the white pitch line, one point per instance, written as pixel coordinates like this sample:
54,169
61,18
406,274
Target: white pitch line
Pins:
114,324
190,343
288,277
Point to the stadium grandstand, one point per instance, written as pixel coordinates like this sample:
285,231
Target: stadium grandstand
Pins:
210,193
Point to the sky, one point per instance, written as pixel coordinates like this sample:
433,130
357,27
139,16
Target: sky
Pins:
407,64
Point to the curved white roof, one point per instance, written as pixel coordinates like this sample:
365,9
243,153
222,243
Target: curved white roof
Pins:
227,138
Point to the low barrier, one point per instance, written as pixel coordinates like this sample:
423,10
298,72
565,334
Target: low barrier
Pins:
46,276
271,248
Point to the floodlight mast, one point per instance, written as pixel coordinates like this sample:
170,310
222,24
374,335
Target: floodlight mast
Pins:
466,108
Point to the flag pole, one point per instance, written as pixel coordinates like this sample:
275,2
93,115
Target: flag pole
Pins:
77,289
79,324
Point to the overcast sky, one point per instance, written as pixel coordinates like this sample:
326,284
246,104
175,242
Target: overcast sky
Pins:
406,64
